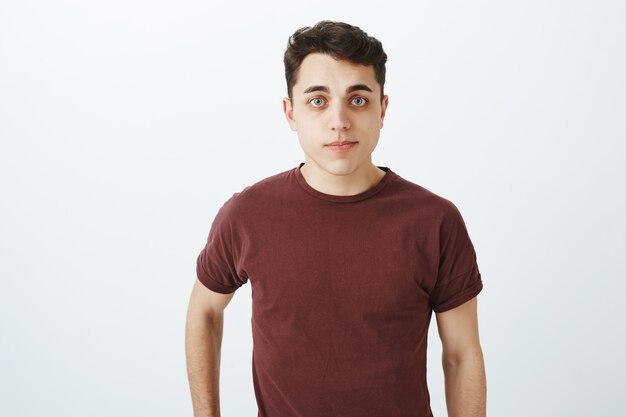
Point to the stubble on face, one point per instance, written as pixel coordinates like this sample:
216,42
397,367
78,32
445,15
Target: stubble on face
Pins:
334,100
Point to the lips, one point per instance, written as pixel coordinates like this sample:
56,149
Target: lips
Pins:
340,143
344,146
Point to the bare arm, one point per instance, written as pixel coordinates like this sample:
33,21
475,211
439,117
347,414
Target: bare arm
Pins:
203,342
463,364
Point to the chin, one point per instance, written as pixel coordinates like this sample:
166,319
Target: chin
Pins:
341,167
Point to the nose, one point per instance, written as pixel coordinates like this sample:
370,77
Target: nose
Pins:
338,118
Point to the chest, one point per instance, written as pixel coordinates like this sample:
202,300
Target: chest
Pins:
344,264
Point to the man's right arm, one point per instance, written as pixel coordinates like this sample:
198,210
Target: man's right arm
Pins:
203,342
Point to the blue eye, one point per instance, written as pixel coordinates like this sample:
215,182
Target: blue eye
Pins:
363,101
317,101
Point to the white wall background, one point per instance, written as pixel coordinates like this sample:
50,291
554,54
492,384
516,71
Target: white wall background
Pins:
125,124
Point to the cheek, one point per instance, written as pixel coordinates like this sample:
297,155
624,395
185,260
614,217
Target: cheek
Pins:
310,125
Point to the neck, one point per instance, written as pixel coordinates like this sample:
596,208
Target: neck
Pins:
342,183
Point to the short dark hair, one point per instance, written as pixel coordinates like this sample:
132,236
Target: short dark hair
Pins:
341,41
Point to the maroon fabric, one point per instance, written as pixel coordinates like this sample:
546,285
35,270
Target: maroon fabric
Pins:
343,289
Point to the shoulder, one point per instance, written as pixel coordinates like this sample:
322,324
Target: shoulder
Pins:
422,199
258,194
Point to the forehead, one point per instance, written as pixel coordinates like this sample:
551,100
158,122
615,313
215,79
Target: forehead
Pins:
322,69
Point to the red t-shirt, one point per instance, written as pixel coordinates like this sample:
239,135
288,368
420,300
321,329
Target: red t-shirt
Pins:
343,289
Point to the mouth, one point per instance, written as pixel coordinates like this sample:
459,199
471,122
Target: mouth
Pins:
342,146
340,142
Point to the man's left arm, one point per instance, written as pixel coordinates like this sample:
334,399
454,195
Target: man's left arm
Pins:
462,360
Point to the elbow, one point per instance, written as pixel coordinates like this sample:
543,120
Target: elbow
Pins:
455,359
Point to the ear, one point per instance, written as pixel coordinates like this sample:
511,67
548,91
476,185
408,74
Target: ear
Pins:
383,109
288,110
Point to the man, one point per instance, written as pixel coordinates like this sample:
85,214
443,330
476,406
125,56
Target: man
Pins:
347,260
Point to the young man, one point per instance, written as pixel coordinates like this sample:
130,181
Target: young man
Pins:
347,260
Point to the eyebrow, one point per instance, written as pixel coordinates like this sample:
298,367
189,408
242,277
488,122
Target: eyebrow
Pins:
356,87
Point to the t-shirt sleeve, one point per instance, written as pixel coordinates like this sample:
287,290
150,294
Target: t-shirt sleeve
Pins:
458,277
216,265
